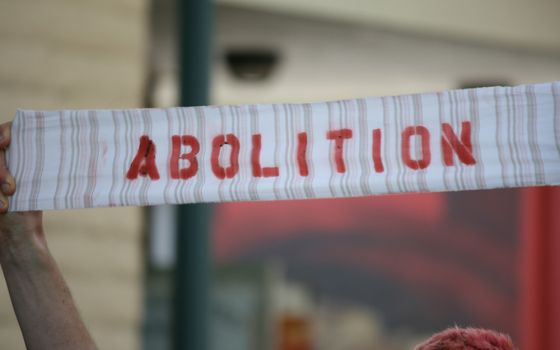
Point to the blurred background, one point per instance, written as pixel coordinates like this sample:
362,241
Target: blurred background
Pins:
368,273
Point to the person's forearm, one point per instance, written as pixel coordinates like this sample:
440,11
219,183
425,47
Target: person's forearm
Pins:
42,301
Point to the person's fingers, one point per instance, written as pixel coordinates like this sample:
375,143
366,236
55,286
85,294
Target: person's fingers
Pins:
3,203
7,182
5,135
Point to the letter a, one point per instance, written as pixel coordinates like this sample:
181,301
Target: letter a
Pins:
144,163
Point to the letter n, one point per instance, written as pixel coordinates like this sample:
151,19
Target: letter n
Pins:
450,142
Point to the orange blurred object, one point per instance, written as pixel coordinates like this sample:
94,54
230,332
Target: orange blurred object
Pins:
295,333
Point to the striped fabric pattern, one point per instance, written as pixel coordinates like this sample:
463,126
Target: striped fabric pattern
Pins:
448,141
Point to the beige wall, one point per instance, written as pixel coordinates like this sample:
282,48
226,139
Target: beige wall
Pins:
528,24
326,60
78,54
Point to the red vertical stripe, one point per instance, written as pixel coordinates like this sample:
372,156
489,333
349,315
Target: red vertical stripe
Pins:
376,151
302,154
540,269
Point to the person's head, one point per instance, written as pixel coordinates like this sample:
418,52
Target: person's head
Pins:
467,339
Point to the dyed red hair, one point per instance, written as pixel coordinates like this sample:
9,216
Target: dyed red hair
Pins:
467,339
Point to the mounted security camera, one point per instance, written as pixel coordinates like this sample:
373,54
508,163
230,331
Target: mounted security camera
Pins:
251,64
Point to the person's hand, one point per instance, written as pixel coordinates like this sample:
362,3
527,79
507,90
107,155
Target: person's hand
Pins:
45,311
16,229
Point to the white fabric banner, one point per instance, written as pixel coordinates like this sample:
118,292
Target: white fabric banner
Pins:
447,141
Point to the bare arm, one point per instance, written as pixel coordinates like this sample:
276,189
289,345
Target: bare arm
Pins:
44,307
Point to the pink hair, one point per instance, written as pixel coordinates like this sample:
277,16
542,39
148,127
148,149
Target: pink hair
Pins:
467,339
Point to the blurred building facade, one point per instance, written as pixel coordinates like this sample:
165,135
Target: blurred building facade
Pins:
101,54
81,54
320,58
270,51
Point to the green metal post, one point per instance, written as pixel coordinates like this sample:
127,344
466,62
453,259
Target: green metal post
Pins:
192,282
